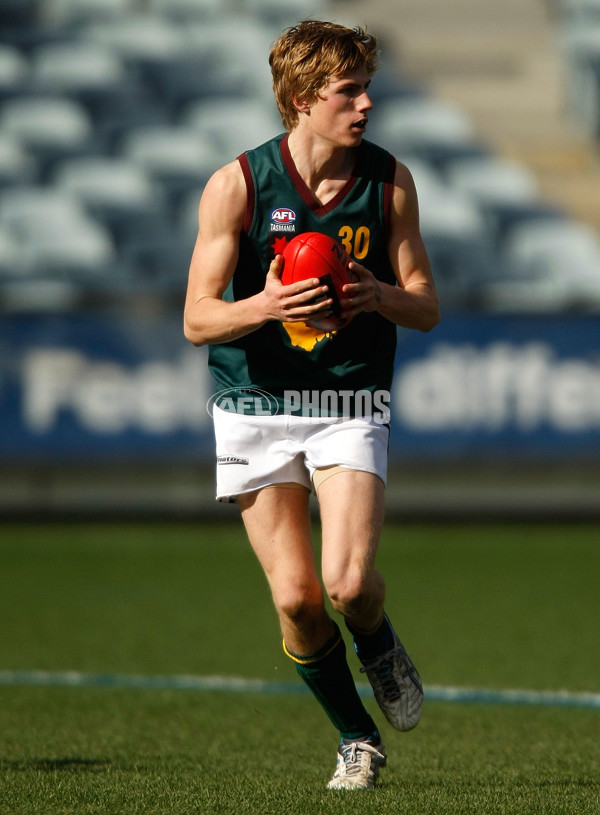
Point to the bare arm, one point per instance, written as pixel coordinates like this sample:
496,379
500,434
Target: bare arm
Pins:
413,303
208,319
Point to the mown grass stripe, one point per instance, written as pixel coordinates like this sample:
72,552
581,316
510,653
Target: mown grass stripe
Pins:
233,684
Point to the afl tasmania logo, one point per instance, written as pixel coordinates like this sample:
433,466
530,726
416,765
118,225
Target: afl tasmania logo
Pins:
283,215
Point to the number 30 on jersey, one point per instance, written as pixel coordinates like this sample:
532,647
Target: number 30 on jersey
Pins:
355,243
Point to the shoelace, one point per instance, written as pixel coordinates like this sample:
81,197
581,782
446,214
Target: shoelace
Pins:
383,666
351,758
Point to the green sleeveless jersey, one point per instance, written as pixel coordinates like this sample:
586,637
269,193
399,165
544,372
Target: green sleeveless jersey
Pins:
290,367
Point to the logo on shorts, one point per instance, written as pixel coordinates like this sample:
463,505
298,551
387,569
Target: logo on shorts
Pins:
231,460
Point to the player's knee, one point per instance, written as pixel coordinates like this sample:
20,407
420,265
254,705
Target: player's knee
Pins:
348,592
299,603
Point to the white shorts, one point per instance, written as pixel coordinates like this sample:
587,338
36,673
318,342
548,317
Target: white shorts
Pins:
258,451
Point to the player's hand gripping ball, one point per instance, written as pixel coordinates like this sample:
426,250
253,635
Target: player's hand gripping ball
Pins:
313,254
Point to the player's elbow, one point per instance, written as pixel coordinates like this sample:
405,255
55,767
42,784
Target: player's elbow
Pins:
195,323
194,334
431,315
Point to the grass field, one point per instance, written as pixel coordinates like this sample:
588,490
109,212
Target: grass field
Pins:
489,607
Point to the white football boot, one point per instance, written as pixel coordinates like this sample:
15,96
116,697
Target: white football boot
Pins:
358,766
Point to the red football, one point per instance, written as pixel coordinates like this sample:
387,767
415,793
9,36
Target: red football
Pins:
313,254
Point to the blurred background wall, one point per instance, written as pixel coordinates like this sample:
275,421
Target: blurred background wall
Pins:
113,114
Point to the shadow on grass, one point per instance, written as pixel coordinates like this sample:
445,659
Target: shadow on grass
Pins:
55,764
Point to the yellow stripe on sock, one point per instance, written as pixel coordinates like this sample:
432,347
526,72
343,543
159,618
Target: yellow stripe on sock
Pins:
310,658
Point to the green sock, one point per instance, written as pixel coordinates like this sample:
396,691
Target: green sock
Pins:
369,646
327,674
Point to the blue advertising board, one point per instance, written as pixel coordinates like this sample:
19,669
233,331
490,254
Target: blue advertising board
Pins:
498,386
100,385
91,386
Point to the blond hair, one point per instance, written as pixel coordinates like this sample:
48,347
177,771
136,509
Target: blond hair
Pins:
306,56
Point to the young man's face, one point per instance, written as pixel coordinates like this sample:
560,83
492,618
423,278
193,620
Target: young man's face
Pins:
341,109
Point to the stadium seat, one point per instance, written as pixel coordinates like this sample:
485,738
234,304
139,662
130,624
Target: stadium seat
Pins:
11,256
493,180
118,119
186,216
51,128
232,126
40,295
138,38
552,266
580,45
75,12
94,76
236,54
407,124
459,245
158,56
160,266
14,72
580,12
17,167
280,14
176,82
452,213
545,293
506,216
506,192
57,237
85,72
529,243
459,242
177,157
18,13
186,10
118,193
429,183
462,267
439,156
44,120
389,85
